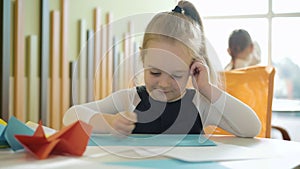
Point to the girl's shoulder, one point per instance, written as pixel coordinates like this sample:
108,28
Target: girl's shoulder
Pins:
140,89
128,92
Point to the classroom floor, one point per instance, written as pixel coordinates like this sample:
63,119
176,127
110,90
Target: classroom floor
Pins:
289,121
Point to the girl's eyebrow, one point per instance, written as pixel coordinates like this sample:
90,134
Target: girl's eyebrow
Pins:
152,67
180,71
176,71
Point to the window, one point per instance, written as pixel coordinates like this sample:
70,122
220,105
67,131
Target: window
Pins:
285,55
273,24
286,6
217,32
231,7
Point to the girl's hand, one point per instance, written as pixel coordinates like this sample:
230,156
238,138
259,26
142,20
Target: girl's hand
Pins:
200,76
123,123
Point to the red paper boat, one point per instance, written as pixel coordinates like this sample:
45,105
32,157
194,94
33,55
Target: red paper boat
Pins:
71,140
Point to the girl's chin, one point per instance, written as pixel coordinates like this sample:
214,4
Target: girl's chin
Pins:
159,96
163,97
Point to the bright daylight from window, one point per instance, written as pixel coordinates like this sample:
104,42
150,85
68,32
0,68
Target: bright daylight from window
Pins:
275,30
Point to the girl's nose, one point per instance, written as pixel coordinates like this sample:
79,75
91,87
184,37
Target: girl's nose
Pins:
165,81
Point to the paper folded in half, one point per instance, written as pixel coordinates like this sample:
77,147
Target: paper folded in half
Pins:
8,132
71,140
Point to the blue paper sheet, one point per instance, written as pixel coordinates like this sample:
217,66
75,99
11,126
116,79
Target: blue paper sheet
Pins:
151,140
3,142
14,126
167,163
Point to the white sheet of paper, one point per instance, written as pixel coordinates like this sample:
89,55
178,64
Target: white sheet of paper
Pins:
48,131
221,152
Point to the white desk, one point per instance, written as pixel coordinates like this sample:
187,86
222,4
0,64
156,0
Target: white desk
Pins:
285,154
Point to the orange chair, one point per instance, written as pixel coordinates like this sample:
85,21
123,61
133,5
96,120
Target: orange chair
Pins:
253,86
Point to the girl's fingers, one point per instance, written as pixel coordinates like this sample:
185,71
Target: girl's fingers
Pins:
124,123
123,129
129,117
133,116
196,67
200,75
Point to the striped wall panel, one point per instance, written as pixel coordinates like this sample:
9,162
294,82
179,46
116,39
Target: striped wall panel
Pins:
115,64
103,66
19,66
44,60
74,82
55,115
109,54
82,61
130,52
45,91
32,96
64,69
97,53
126,77
136,65
122,68
90,65
5,6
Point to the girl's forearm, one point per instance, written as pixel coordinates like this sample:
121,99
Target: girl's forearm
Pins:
101,122
212,93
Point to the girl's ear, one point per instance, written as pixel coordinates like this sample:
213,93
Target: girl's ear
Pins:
251,47
229,51
195,70
193,61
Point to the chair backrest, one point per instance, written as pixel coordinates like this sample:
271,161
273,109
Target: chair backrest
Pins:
253,86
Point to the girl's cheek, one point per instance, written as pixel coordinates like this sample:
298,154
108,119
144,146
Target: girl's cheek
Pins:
179,84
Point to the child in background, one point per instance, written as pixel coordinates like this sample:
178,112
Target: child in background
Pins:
242,50
173,50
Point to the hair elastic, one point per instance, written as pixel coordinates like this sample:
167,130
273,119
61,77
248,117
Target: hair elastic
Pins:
178,9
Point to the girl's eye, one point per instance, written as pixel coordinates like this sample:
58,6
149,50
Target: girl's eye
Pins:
155,73
177,76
